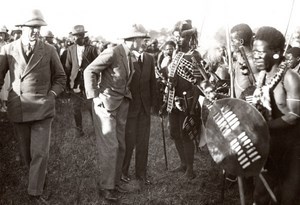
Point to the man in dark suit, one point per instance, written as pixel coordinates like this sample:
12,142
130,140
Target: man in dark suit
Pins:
37,77
107,81
79,56
143,90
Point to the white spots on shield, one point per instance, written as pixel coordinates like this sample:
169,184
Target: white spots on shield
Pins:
242,145
226,121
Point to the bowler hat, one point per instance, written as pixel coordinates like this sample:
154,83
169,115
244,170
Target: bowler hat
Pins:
136,31
78,29
34,18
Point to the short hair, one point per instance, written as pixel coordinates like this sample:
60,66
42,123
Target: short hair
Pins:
171,43
244,32
295,51
272,36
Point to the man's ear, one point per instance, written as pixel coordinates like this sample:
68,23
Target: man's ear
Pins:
242,41
276,55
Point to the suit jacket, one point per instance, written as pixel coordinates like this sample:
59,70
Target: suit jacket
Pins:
108,77
72,66
143,86
31,82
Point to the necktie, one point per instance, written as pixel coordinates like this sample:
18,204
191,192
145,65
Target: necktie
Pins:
140,61
29,50
129,63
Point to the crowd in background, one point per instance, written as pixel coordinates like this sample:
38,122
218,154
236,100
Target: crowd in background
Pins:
83,69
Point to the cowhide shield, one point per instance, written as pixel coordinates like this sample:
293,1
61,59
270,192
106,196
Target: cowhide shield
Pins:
237,137
206,107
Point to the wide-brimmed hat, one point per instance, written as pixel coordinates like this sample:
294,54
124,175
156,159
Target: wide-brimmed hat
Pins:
34,18
136,31
48,34
78,29
14,30
185,28
3,29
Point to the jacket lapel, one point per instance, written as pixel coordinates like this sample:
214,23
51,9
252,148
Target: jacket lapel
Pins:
19,54
124,59
74,54
36,57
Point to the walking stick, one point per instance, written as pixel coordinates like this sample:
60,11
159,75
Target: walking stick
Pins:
241,190
164,140
268,188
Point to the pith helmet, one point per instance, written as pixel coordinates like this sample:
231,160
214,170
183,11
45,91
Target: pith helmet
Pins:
136,31
34,18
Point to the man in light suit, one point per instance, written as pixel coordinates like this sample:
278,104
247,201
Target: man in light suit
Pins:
79,56
107,81
143,90
37,77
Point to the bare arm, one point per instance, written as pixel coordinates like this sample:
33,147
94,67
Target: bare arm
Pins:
292,113
292,86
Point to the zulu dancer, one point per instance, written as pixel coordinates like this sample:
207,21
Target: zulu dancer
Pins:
182,92
277,96
241,39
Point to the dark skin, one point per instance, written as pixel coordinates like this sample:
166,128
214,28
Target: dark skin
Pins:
79,39
287,97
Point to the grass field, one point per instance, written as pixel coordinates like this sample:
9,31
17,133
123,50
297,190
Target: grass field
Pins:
73,171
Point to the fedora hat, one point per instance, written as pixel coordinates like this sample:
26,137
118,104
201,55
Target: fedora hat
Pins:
136,31
34,18
78,29
48,34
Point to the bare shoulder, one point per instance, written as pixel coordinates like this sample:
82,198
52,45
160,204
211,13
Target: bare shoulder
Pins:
292,81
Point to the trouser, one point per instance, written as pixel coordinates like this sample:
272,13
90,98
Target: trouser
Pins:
34,143
137,136
110,139
79,103
185,147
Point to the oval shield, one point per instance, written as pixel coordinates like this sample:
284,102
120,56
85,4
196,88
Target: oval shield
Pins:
237,137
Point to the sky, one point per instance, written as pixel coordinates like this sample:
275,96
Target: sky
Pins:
112,18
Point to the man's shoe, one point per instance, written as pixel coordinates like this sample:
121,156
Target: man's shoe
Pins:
122,189
125,178
38,200
181,168
189,175
145,181
109,195
79,132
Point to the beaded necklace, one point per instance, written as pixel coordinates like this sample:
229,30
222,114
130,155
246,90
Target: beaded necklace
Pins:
261,95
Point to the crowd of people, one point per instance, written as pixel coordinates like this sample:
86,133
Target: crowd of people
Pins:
122,85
